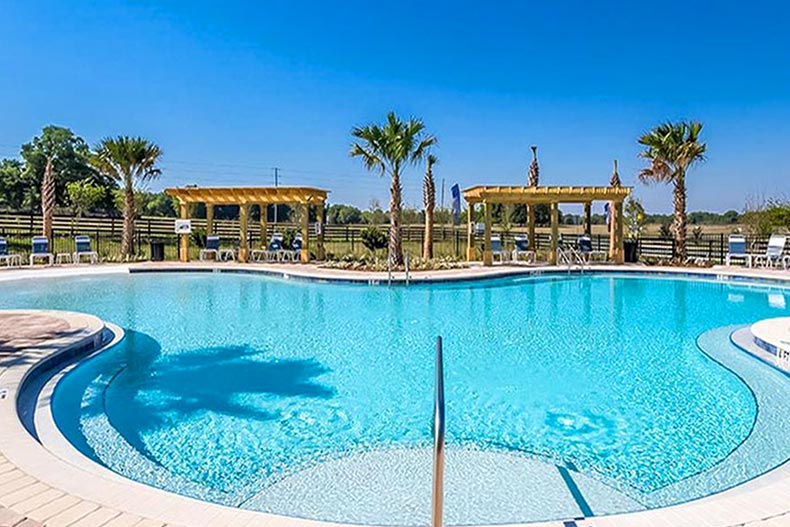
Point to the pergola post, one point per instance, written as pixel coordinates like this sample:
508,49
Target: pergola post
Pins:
470,234
183,242
209,219
319,244
244,212
488,256
587,218
531,226
263,207
305,233
555,231
616,240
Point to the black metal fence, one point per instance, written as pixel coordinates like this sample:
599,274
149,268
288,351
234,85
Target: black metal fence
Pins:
339,240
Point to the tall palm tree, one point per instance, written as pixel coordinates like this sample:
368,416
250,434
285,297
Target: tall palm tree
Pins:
614,181
429,200
388,149
672,149
534,170
130,161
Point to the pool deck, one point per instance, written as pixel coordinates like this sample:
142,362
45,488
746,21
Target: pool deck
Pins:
39,486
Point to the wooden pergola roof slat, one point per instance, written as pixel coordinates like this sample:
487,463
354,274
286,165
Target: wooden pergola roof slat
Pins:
248,195
543,194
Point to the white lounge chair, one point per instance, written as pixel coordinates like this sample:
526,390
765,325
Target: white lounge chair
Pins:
737,249
5,257
497,249
585,248
521,249
84,250
774,253
212,247
41,251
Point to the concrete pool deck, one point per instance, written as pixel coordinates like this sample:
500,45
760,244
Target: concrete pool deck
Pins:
42,487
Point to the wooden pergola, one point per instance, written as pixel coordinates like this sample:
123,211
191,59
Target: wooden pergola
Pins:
245,197
553,196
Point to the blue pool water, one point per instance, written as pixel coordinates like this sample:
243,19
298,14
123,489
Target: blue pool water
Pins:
566,395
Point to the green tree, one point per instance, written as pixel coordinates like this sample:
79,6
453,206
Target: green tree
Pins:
17,188
672,149
635,218
343,215
130,161
83,196
388,149
52,158
429,201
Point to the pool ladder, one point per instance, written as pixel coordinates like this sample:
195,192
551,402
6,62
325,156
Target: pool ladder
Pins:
570,257
437,499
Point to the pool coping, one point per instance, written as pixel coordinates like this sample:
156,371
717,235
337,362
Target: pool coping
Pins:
761,500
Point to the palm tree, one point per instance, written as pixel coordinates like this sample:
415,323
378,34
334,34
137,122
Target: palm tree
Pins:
534,170
388,149
130,161
673,148
429,200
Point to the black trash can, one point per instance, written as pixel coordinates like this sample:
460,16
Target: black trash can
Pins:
157,251
631,249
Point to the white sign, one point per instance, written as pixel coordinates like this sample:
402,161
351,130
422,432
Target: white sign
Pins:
183,226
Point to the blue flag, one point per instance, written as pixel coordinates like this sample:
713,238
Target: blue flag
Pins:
456,204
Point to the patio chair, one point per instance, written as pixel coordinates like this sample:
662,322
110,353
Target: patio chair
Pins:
296,253
5,257
84,250
273,252
774,253
497,249
737,249
585,248
212,247
521,242
40,251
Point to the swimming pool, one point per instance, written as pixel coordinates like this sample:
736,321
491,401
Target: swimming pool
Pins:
567,395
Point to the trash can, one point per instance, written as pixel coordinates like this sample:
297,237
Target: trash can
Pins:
157,251
631,249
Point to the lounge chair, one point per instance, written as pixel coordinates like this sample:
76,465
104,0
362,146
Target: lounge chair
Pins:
585,248
212,247
5,257
737,249
296,252
84,250
496,248
521,242
774,253
273,251
41,250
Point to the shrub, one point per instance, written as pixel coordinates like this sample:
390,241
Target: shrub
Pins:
373,239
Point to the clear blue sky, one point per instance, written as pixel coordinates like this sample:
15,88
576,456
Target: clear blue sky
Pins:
231,89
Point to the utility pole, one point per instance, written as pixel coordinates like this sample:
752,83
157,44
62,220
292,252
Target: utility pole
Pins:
276,184
442,200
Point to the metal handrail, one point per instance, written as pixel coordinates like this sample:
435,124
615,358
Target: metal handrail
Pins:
437,501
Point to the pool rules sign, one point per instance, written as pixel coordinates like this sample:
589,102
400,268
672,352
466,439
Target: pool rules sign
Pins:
183,226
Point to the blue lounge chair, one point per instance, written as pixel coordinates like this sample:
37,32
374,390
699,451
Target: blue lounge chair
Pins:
737,249
5,257
496,248
585,247
273,252
296,253
774,253
84,250
41,251
521,249
212,247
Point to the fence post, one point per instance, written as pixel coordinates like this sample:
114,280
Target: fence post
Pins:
721,247
98,242
352,239
457,243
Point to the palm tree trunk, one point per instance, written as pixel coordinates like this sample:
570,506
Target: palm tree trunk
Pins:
429,199
48,199
127,242
395,244
680,217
